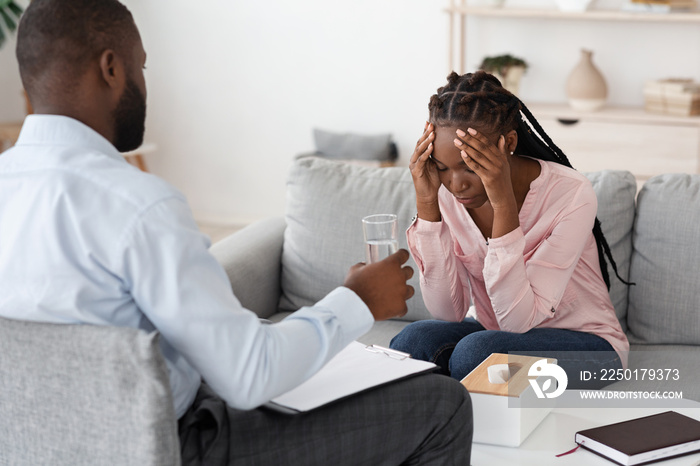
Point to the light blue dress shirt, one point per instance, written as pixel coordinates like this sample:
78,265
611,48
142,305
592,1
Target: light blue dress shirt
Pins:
87,238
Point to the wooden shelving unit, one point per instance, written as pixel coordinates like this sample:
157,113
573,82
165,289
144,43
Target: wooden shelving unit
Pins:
614,137
459,10
611,114
591,15
623,138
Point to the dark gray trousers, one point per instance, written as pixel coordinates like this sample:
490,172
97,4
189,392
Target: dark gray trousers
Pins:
424,420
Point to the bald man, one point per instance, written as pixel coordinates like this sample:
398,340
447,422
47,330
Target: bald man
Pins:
87,238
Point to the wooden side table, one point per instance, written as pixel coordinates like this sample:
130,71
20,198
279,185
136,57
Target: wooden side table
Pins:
135,157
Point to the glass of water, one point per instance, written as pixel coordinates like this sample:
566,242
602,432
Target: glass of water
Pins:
381,238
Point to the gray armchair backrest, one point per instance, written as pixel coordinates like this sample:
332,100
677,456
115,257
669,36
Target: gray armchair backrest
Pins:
84,395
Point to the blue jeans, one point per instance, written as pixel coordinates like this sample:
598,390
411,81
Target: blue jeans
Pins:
458,347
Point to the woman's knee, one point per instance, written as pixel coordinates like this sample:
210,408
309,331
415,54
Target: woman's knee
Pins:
473,349
428,340
421,336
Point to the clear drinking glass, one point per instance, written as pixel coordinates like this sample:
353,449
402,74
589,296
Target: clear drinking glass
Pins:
381,238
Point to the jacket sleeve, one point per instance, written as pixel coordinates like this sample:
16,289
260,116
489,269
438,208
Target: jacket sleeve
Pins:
443,278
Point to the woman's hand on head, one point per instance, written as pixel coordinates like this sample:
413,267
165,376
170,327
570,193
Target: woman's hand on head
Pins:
425,176
490,162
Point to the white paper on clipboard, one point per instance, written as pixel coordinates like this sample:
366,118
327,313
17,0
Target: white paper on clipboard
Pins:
356,368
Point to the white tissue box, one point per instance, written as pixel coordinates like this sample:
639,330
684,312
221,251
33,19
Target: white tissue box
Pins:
505,413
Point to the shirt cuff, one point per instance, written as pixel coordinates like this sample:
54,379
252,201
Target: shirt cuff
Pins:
507,240
425,226
352,313
431,245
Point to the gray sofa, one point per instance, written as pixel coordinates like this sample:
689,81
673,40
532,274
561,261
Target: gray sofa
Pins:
281,264
85,395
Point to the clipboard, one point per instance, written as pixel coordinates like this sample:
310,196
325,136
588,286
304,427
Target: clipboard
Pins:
356,368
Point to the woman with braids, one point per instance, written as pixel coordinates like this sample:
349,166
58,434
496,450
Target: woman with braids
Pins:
506,224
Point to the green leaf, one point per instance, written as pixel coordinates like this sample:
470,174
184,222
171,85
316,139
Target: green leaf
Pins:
16,9
9,22
500,63
10,11
2,37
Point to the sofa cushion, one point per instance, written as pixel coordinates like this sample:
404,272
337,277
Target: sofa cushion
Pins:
664,307
326,201
84,395
348,146
615,191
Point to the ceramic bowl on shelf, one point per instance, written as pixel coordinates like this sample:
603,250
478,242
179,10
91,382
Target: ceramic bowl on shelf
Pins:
573,5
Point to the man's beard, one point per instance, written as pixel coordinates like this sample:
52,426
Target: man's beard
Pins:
129,119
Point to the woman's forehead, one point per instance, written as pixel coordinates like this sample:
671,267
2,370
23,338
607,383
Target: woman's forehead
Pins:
444,150
449,133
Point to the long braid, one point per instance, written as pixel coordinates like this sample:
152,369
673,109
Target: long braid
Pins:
480,97
541,139
560,157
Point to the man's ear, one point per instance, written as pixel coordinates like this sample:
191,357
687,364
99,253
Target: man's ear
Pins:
112,69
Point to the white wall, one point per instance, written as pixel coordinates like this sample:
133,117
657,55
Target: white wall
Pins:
236,87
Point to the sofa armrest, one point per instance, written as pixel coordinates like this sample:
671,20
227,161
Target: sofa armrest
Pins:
251,258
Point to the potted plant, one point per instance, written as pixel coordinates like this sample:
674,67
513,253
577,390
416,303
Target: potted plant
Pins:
507,68
10,13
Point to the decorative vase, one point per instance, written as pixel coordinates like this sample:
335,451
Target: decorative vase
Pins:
585,87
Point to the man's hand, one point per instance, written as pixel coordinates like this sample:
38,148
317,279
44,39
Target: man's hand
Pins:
382,285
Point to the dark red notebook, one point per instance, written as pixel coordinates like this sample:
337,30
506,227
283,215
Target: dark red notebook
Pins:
643,440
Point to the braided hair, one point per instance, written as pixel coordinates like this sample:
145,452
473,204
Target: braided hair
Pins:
480,97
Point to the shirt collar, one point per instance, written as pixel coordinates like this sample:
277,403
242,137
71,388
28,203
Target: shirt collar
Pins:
59,130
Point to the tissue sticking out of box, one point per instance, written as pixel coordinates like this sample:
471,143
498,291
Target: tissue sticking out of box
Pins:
499,373
502,373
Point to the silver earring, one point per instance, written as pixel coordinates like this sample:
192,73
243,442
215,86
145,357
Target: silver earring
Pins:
511,152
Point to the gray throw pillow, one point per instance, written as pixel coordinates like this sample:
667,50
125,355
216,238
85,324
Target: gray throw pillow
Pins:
326,201
664,305
349,146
